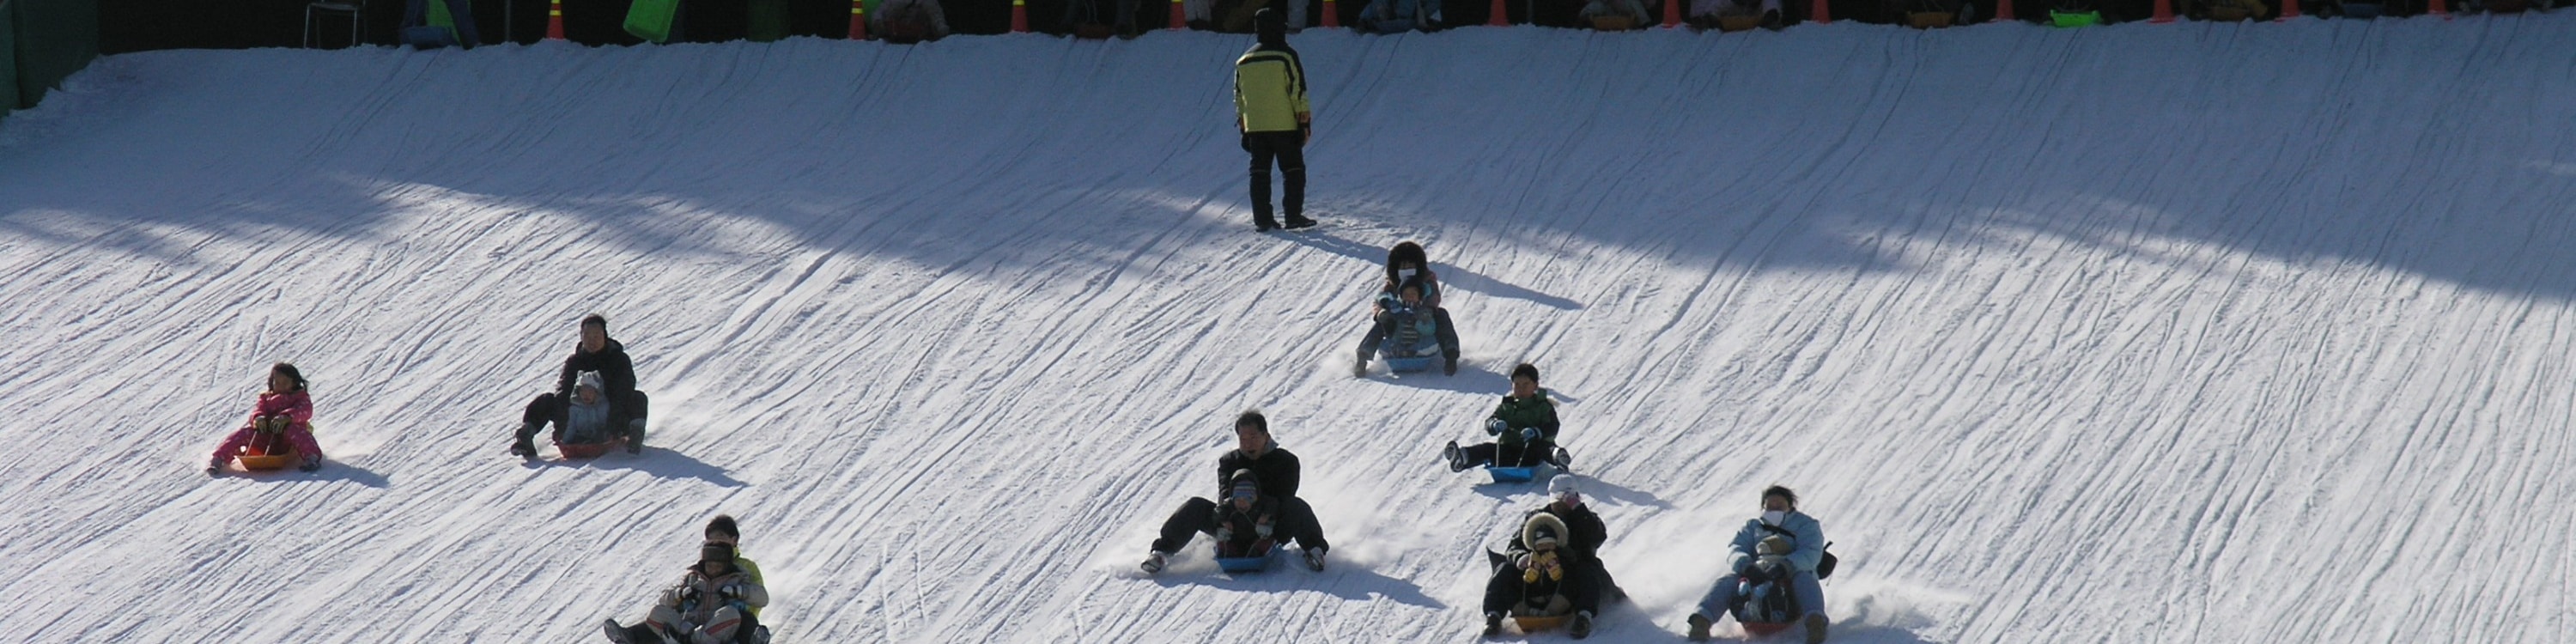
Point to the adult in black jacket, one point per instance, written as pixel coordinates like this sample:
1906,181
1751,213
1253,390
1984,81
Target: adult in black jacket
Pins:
1275,468
1584,532
596,352
1539,575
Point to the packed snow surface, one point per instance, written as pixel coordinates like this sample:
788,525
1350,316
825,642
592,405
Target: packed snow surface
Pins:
2146,333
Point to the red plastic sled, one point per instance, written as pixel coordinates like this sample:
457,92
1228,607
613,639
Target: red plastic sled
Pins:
1765,629
587,450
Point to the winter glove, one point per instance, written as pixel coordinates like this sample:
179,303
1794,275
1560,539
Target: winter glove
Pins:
1495,426
1521,562
672,597
730,592
1529,434
1262,529
1756,575
1225,534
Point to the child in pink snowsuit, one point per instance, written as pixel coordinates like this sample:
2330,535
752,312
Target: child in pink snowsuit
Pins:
284,404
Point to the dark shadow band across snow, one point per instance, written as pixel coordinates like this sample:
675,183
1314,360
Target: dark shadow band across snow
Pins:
1686,161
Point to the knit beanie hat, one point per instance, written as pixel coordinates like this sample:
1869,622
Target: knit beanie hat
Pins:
1561,485
1246,485
1270,26
589,379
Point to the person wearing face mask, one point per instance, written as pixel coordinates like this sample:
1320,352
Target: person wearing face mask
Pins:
1584,532
1805,551
1406,263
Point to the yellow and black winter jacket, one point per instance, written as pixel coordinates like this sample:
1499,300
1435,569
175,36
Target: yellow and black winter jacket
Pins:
1270,89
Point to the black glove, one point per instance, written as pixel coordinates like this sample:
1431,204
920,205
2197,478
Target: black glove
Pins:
1756,575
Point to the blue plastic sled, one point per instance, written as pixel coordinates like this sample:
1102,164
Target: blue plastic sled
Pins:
1416,360
1255,563
1518,474
1527,473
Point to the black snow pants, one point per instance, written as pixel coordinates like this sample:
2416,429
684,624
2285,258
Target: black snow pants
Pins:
1198,516
1289,148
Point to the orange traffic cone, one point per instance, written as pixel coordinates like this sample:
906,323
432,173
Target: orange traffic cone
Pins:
1019,16
2289,9
554,20
1500,17
2003,10
858,20
2164,11
1672,13
1179,20
1821,16
1332,14
2438,8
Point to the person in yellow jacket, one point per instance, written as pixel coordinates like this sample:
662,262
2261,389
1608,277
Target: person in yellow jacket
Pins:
1271,112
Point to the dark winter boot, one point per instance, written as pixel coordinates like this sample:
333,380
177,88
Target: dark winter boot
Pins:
1449,366
1815,628
1359,368
1582,626
635,436
1296,221
1493,624
1457,458
524,443
1698,628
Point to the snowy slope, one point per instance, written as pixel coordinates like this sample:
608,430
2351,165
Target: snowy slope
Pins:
2203,333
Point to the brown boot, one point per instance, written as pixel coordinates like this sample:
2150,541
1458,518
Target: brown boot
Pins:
1816,628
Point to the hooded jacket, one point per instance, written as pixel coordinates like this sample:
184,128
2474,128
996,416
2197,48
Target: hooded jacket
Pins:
1805,533
1584,533
587,423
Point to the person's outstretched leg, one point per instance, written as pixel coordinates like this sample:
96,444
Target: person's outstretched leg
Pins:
1195,516
1448,337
